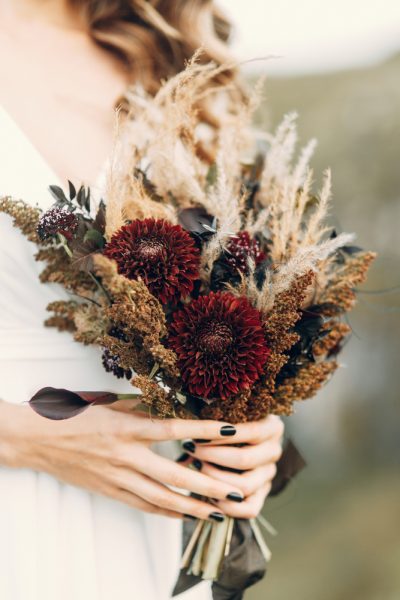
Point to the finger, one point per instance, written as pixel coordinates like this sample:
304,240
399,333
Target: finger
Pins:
244,458
159,495
248,482
177,429
253,432
250,508
136,502
169,473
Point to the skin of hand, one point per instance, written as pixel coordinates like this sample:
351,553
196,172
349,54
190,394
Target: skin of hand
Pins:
109,452
248,462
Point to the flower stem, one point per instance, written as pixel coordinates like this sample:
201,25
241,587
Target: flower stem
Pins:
64,244
128,396
100,286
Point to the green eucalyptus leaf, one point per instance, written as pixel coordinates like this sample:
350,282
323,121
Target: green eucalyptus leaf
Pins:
80,197
99,222
87,200
72,190
93,235
58,194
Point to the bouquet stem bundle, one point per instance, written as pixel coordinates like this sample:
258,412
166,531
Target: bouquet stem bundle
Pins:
210,545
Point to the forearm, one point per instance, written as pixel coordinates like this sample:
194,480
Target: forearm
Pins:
17,423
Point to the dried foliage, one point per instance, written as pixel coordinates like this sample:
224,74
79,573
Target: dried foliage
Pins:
59,270
336,333
25,217
305,385
139,316
90,323
63,315
339,295
159,400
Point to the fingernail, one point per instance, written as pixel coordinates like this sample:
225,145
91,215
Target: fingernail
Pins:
183,457
235,497
197,464
216,516
190,517
202,441
228,430
189,446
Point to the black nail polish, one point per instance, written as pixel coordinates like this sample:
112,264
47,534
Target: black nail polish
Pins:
228,430
202,441
190,517
189,446
235,497
216,516
197,464
182,457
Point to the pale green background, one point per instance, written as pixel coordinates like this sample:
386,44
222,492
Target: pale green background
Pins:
339,523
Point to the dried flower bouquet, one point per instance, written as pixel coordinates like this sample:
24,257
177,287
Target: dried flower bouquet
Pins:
215,287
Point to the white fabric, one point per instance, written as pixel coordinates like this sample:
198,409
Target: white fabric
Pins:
58,541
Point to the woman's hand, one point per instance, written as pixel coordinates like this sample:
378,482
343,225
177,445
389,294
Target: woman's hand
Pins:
109,452
250,468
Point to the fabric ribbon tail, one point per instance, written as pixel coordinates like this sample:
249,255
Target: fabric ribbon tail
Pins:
288,466
243,567
185,581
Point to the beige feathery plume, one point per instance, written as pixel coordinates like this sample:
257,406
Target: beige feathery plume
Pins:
282,276
127,196
286,192
306,259
117,181
279,157
315,229
163,130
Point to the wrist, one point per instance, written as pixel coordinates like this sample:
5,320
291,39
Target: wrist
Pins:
16,426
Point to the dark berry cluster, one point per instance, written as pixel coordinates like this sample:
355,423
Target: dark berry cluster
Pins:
57,220
240,248
111,365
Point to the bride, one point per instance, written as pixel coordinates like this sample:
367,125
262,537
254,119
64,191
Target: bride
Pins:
86,506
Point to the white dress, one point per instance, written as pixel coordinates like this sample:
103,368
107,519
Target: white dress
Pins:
59,542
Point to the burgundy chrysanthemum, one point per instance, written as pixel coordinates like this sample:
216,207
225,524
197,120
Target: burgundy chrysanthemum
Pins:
240,248
57,220
164,256
220,344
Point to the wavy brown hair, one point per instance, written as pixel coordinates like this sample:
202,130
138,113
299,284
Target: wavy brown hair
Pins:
154,38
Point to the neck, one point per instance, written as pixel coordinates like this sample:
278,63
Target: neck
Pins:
54,12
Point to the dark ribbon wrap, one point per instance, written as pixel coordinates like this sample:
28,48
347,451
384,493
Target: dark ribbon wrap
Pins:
245,565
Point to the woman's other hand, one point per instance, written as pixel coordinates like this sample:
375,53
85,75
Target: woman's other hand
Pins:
250,467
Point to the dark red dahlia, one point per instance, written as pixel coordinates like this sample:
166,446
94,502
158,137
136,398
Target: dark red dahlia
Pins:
57,220
240,248
220,344
164,256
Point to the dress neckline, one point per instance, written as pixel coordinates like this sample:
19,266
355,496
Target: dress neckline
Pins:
53,178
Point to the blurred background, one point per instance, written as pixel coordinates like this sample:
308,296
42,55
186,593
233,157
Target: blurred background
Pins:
338,65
